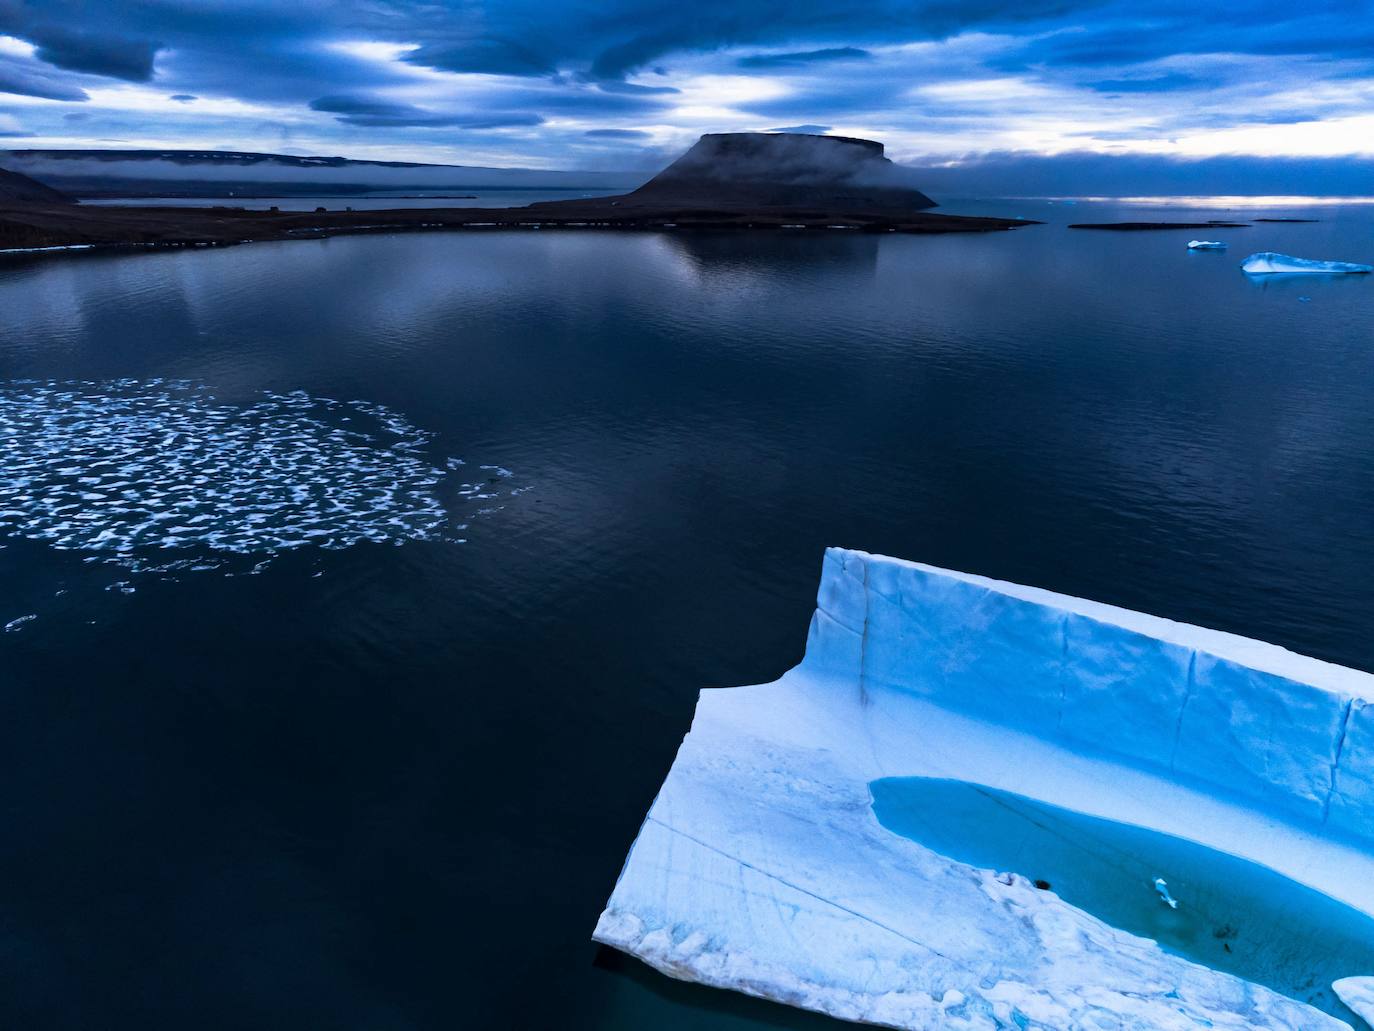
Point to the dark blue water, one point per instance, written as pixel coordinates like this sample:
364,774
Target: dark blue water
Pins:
1231,914
389,783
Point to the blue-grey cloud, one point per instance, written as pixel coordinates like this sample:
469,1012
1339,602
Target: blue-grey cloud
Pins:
712,24
353,104
183,98
374,113
572,100
635,88
1173,82
493,55
807,130
616,134
25,83
1107,68
114,56
804,57
1125,33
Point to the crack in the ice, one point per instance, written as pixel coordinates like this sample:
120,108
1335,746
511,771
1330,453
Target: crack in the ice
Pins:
1336,757
796,887
1183,707
820,607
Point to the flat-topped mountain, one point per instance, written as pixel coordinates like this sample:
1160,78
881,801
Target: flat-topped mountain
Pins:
16,188
782,170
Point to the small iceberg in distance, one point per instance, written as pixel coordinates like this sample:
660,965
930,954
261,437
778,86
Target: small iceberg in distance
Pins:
1268,262
1206,245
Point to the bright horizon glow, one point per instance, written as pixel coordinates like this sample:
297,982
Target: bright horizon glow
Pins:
1221,201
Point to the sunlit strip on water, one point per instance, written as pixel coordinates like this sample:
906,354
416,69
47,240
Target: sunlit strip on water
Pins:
1220,201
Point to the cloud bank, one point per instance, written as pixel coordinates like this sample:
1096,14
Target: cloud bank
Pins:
1157,84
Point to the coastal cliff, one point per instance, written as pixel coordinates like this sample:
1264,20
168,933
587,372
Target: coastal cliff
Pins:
782,170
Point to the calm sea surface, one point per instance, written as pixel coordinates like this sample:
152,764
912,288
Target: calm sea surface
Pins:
315,727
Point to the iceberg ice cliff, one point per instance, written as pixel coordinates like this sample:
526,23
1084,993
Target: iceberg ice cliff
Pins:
1266,262
761,866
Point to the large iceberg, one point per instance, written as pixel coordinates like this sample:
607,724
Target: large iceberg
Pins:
1269,261
763,867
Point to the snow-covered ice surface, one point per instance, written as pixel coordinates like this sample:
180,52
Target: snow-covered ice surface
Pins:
761,866
132,468
1206,245
1268,261
1358,994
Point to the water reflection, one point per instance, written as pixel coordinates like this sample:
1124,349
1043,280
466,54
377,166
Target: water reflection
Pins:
427,761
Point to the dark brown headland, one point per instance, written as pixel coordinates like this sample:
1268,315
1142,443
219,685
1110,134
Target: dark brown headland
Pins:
1286,220
1134,227
726,181
20,189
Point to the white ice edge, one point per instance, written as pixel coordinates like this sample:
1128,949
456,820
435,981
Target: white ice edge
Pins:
1270,262
761,867
1358,994
1260,655
39,250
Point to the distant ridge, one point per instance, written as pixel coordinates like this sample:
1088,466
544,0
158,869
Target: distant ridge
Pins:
226,173
16,188
237,158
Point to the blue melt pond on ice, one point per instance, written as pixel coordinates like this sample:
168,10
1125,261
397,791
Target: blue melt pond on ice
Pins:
1232,915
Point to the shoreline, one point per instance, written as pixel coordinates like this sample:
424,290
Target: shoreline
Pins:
46,228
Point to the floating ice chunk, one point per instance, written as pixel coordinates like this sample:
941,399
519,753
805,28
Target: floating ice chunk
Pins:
1162,886
1268,261
1206,245
40,250
15,624
762,866
1358,994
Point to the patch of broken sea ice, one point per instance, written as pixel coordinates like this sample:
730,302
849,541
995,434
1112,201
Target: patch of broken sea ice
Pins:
159,475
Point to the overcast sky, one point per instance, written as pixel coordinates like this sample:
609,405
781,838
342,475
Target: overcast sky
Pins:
621,83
